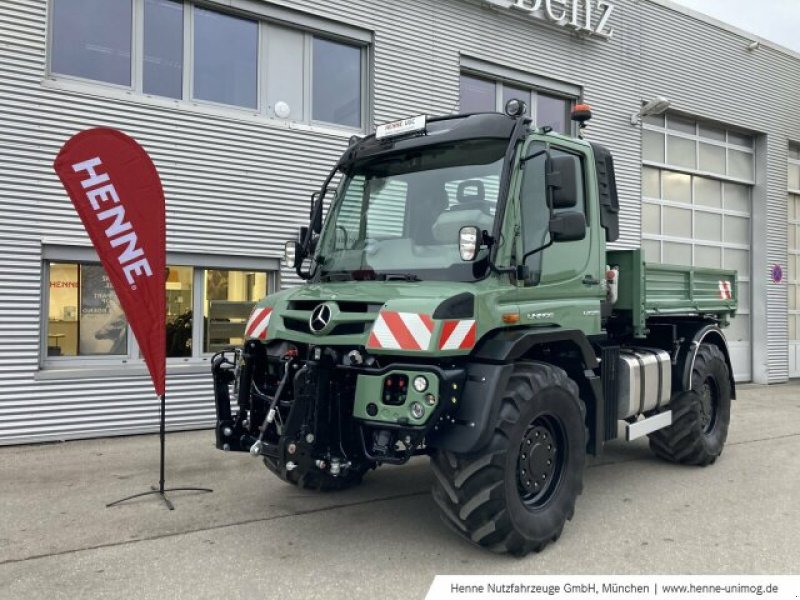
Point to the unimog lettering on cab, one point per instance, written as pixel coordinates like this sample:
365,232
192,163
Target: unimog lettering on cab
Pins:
461,303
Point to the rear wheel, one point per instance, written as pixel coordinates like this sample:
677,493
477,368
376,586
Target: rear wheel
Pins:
700,416
316,480
516,495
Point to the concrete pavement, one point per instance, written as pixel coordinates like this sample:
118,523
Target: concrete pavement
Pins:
256,537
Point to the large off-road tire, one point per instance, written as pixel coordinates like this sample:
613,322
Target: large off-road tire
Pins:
517,493
317,480
700,416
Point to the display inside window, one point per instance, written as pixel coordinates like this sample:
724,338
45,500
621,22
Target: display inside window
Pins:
179,311
228,300
84,315
92,39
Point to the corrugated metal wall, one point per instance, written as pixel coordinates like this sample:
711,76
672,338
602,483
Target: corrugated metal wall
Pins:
240,186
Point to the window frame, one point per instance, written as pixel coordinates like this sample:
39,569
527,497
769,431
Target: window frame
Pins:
309,26
536,84
793,253
199,264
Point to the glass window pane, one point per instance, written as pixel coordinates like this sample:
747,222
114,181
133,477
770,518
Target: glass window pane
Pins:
681,152
225,58
92,39
285,59
707,192
62,313
738,260
794,177
179,311
792,268
337,83
653,146
677,254
510,93
651,218
712,133
477,95
103,327
552,111
792,235
794,334
792,292
740,139
657,120
712,158
794,151
677,222
708,226
228,300
737,230
651,183
737,197
740,165
163,48
682,124
652,250
707,256
677,187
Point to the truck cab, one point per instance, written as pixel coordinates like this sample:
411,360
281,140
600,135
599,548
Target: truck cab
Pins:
460,303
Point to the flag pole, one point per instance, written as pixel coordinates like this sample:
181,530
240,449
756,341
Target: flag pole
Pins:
161,490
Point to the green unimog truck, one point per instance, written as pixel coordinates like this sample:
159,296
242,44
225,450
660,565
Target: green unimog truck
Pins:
461,303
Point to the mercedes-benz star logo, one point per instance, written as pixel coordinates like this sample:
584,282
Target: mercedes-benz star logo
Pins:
320,319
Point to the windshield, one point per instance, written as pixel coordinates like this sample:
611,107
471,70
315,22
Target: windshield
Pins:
399,216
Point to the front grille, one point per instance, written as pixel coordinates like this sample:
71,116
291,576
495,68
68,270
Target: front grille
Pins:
345,307
299,311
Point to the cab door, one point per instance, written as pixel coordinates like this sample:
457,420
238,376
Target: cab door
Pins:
566,279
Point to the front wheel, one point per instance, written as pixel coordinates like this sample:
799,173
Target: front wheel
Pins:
516,495
700,416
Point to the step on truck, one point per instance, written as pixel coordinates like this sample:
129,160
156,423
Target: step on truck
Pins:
461,303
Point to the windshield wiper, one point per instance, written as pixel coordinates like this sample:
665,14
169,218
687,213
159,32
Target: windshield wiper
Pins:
399,277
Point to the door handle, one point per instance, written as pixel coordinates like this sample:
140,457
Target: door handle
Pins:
589,280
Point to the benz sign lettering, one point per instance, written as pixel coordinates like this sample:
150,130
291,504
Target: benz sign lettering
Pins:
588,16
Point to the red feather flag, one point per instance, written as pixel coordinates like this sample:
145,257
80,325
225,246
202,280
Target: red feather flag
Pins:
117,192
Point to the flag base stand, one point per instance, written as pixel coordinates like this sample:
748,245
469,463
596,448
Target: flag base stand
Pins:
161,490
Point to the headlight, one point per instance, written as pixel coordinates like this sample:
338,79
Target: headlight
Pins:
420,383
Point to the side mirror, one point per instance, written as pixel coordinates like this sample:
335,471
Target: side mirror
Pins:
292,255
568,227
302,235
563,178
468,245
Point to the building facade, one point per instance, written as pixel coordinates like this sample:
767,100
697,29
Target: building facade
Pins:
245,104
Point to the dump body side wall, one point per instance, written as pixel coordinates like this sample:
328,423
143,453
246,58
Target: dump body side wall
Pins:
647,290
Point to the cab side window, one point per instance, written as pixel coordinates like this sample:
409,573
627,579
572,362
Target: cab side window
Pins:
534,209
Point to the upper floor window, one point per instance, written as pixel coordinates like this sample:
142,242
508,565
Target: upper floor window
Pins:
480,94
231,59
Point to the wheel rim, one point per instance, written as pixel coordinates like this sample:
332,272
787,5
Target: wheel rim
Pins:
709,405
540,461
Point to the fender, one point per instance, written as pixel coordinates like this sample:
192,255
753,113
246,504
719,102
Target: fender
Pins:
488,373
708,334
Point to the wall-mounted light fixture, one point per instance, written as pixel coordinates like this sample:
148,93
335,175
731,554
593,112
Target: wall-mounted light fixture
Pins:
656,106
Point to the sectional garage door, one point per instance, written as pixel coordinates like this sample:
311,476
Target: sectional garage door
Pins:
697,182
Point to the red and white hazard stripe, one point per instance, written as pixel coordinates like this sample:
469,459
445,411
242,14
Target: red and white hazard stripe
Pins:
401,331
725,290
458,335
258,323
